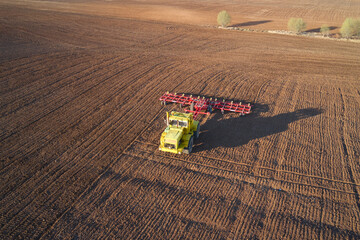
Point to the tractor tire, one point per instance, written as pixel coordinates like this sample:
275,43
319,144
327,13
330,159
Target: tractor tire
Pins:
190,146
197,132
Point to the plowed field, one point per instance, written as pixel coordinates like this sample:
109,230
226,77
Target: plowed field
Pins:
81,120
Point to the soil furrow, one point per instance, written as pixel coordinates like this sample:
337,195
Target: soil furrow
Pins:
95,127
86,113
50,111
27,91
94,156
96,179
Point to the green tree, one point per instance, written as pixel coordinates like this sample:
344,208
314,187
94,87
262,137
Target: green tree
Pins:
223,18
346,29
296,25
357,27
325,30
350,27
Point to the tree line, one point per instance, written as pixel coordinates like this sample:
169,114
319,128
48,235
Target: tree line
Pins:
349,28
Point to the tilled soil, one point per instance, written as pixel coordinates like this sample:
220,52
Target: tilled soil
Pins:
81,120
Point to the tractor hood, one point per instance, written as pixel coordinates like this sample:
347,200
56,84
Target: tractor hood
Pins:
173,135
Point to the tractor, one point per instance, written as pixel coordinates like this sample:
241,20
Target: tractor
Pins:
180,133
182,129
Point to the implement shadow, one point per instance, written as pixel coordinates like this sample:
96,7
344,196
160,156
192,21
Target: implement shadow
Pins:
239,131
251,23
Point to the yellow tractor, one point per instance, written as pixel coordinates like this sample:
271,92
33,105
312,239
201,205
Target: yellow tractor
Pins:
180,133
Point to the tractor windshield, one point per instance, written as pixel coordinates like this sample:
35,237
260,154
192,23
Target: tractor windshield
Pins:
170,146
178,123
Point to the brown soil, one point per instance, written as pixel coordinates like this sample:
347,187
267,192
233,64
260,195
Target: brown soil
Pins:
80,123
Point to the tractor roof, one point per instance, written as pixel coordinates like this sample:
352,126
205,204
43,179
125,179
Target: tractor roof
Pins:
180,115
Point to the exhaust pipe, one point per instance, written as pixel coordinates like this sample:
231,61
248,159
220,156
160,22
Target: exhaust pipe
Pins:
167,118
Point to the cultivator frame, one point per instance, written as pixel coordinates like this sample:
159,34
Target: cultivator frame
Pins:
205,105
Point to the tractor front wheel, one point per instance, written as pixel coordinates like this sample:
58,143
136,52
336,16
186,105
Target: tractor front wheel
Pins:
190,146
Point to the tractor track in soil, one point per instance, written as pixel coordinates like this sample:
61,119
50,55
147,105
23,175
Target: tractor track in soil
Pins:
260,167
80,123
247,172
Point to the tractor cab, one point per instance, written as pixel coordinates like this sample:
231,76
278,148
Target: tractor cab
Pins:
178,135
179,120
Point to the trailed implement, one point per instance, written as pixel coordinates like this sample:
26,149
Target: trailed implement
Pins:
204,105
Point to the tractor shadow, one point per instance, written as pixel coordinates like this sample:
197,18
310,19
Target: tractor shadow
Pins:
238,131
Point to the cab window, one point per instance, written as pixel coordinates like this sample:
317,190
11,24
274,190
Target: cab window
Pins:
178,123
173,122
182,123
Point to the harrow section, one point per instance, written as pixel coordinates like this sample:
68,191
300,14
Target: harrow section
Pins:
204,105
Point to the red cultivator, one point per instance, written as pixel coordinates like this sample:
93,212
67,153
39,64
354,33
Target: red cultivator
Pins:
203,105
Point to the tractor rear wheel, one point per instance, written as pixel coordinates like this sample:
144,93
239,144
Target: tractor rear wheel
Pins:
197,133
190,146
